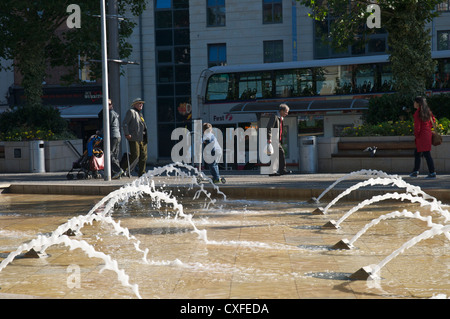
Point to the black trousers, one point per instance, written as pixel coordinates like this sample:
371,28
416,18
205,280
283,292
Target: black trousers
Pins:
428,158
281,159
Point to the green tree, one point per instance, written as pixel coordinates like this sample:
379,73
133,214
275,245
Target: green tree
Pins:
34,36
405,21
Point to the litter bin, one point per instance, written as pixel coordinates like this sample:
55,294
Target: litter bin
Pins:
308,155
37,157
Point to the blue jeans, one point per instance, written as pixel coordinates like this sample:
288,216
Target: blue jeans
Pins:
214,169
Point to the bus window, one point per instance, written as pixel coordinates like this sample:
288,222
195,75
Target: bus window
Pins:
386,81
292,83
255,85
365,78
326,80
217,89
344,80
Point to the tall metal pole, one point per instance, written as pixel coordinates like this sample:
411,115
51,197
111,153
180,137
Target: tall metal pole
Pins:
106,138
113,52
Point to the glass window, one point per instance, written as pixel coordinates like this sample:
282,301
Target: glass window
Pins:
165,74
443,41
273,51
163,19
163,38
215,13
182,55
364,78
217,54
184,109
181,18
272,11
163,4
182,73
164,55
326,80
218,87
444,6
373,43
181,37
386,81
166,110
181,4
255,85
165,90
85,70
442,75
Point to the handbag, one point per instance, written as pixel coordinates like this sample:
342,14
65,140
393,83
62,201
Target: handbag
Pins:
97,163
436,138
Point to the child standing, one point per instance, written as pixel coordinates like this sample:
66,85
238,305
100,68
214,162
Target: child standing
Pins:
211,144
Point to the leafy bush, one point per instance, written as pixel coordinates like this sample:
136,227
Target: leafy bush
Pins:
389,128
27,123
395,107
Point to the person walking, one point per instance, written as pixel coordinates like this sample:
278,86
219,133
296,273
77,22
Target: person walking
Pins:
114,130
215,151
135,131
276,121
422,132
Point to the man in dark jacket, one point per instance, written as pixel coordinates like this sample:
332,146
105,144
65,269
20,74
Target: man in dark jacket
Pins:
114,129
276,121
135,131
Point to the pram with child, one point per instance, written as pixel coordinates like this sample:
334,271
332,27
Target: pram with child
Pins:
91,163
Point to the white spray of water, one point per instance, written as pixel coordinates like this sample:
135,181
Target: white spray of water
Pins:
395,214
363,172
434,205
41,241
435,230
102,212
415,190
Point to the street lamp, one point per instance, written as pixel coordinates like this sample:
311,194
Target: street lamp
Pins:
106,128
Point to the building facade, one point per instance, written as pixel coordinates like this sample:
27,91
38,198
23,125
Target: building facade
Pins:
176,40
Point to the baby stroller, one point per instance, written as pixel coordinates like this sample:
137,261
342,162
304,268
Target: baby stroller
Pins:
91,162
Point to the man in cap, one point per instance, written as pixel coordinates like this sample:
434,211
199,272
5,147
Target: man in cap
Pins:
135,131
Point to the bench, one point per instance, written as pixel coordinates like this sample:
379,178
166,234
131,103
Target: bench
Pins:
384,149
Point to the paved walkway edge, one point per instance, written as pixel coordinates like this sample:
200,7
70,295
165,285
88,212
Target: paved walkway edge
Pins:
287,193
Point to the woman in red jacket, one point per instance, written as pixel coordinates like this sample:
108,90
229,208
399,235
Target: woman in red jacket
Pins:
422,133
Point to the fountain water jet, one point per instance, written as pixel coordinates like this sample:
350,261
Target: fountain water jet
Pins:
373,271
142,186
348,244
435,206
41,241
378,181
363,172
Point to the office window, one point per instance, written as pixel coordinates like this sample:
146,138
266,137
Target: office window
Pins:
273,51
84,70
444,6
443,41
272,11
217,54
163,4
368,44
215,13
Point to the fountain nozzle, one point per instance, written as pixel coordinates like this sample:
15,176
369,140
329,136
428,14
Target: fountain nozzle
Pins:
331,224
343,244
362,274
318,211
